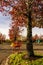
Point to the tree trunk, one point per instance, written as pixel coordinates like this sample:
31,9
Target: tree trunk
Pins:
15,38
29,36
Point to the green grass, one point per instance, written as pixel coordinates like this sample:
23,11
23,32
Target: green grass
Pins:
17,59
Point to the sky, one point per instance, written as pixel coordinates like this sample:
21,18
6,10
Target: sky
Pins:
5,25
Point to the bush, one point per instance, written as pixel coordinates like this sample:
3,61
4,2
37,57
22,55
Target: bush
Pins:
17,59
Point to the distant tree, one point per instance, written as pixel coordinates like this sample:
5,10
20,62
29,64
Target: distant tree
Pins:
2,37
35,37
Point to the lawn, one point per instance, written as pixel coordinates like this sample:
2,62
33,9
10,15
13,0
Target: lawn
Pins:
18,59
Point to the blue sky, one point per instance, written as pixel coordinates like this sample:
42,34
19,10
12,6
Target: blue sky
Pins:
4,26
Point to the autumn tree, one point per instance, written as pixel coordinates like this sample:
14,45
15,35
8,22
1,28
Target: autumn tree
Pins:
2,37
21,16
19,20
30,11
13,33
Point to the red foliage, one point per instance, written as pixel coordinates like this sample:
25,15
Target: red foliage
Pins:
17,44
2,37
19,19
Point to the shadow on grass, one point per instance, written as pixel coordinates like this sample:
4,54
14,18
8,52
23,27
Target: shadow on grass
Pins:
35,57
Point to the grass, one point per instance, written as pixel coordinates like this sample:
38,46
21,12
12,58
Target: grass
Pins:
17,59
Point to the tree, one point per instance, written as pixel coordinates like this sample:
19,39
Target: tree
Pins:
37,15
13,33
21,16
2,37
31,11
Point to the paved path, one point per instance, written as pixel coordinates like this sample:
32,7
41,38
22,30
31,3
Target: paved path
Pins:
5,51
4,54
